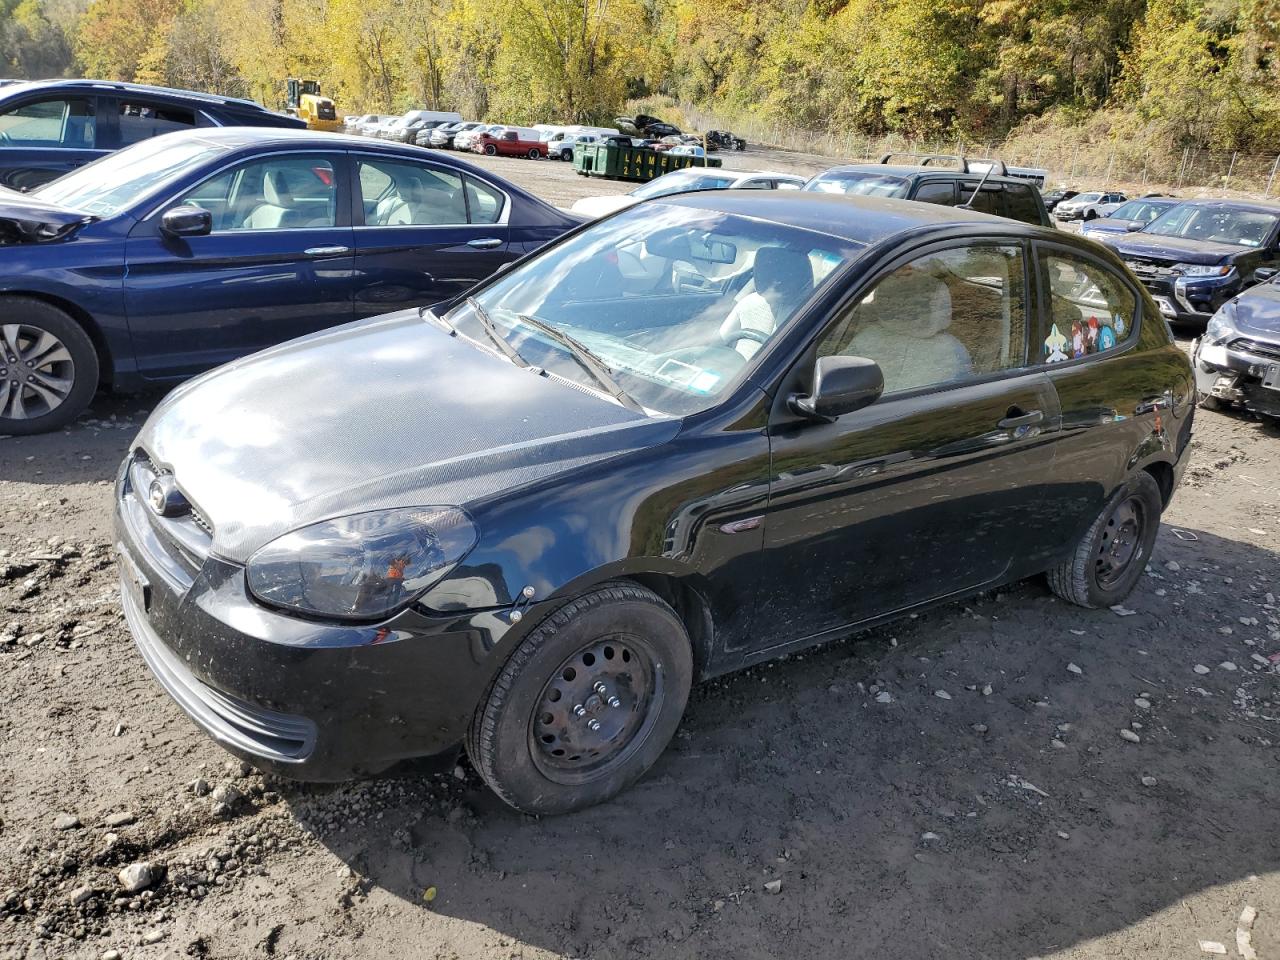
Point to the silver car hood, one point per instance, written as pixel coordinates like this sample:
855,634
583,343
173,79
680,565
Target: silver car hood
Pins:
381,413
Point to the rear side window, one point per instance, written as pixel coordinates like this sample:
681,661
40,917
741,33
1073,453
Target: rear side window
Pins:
987,199
139,120
1020,204
403,194
937,191
484,202
1091,310
63,122
942,318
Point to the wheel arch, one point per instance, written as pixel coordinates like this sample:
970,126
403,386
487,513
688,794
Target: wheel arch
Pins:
106,364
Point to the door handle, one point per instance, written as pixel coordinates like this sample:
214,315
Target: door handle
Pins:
326,251
485,243
1016,420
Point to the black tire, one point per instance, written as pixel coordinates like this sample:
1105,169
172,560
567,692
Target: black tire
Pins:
1090,215
490,150
566,155
535,154
29,317
517,726
1092,578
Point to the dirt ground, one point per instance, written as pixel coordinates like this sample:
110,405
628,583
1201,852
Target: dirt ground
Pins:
952,786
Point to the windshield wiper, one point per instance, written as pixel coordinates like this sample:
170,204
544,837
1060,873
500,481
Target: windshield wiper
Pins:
589,361
425,312
498,339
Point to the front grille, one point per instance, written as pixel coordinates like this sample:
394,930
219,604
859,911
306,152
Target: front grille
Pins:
176,546
1256,347
1145,268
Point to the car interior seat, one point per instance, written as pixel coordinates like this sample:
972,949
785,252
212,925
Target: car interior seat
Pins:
781,279
278,207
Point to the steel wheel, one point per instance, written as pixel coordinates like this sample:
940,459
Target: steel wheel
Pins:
37,372
1121,541
596,709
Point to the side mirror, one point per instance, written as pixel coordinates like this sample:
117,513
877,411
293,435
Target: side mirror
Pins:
840,385
188,221
1135,227
1263,274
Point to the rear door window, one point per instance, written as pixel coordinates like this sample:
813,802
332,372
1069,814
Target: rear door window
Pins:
1091,310
987,200
68,122
1020,204
140,119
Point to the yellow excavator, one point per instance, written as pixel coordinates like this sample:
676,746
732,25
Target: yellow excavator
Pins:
306,103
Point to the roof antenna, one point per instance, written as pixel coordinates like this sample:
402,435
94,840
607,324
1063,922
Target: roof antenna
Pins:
968,205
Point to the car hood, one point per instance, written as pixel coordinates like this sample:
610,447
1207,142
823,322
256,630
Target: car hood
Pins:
388,412
1257,312
1175,249
600,206
28,219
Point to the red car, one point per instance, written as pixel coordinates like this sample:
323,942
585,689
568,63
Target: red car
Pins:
512,142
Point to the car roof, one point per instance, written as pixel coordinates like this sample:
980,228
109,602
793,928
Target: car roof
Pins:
108,86
1254,206
903,170
865,220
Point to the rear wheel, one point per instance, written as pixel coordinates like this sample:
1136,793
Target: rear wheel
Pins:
48,367
586,703
535,153
1111,556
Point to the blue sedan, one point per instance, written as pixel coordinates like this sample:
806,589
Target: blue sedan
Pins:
192,249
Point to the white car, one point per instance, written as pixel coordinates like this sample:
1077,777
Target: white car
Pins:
464,139
560,146
1087,206
371,123
684,181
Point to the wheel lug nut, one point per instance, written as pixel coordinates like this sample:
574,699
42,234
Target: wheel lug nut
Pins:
579,711
600,688
615,702
593,724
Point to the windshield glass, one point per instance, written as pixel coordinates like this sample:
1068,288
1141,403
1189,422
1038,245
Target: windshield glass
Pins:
116,181
1141,210
1217,223
673,183
673,300
860,184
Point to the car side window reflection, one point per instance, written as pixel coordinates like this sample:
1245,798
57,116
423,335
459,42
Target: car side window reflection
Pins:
400,194
277,193
943,318
1091,310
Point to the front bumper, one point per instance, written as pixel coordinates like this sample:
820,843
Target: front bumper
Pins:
1186,300
303,699
1240,371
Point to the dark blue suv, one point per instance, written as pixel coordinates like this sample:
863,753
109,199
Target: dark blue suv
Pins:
49,127
192,249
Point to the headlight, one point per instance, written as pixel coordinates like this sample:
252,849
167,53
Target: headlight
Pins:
361,567
1220,325
1201,270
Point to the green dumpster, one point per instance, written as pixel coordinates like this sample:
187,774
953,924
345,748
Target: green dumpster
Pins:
639,164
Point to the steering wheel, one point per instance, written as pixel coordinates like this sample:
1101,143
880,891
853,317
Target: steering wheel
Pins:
745,333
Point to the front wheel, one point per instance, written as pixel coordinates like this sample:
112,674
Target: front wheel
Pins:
490,150
1111,556
586,703
48,367
566,155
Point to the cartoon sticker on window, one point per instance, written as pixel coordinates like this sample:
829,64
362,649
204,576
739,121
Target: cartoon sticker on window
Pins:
1055,346
1106,339
1117,322
1077,339
1091,336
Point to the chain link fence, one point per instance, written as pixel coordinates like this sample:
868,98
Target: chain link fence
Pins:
1123,165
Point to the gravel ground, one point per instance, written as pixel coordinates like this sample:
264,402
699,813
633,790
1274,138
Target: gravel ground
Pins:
956,785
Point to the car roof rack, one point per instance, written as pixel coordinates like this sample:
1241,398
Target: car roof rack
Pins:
965,165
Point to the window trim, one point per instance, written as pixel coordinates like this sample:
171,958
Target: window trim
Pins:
851,302
1044,320
357,195
951,181
336,157
49,96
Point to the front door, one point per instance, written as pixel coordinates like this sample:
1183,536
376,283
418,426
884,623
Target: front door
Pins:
43,137
429,232
927,492
278,264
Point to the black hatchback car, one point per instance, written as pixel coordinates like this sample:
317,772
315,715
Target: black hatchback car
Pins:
984,186
695,435
49,127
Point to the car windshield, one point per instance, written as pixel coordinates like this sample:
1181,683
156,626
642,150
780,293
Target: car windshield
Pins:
674,183
859,184
1086,197
1140,210
1217,223
672,301
115,182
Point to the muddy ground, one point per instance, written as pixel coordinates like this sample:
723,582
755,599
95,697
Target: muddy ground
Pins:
1007,819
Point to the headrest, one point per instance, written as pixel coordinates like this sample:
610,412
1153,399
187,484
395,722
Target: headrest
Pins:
788,272
276,189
